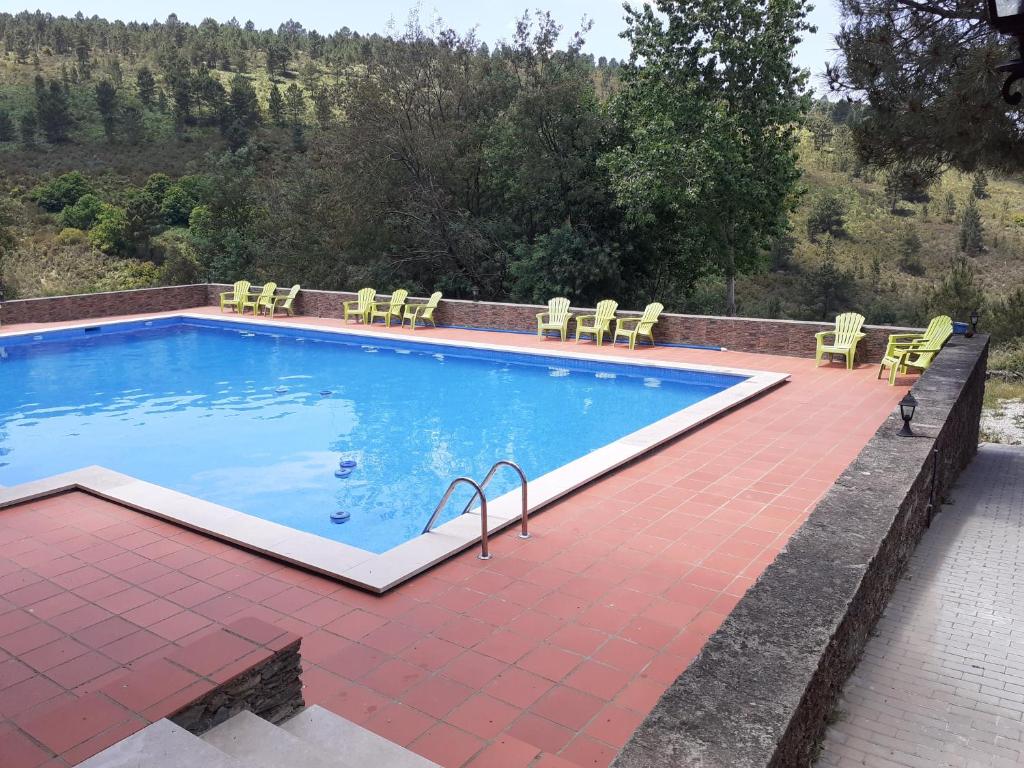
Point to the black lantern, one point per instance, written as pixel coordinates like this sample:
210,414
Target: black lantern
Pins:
907,407
1007,17
975,314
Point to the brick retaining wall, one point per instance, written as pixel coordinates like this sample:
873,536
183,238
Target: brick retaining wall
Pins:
52,309
775,337
761,690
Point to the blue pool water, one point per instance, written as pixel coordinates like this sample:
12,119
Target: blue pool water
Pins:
235,415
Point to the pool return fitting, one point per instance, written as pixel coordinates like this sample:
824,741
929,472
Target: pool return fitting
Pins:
478,491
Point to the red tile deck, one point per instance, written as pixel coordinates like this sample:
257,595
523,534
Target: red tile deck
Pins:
547,655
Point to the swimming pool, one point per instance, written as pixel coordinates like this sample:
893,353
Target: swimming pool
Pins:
257,418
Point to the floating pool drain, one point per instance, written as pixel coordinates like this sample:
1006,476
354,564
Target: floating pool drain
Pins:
281,390
347,463
340,516
344,472
325,393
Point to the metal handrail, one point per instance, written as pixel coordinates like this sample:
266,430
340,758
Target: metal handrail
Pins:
477,491
524,533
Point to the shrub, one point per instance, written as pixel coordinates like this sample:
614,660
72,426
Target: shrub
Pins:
65,190
979,185
71,236
1008,357
1005,317
110,232
83,213
958,294
909,250
827,216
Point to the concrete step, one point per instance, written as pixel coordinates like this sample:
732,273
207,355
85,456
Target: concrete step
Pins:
161,745
361,748
256,743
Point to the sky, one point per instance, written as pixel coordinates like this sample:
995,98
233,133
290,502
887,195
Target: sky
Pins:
492,20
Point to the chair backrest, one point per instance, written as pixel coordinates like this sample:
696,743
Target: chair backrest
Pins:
558,309
365,297
650,317
241,289
431,305
848,325
287,303
269,289
605,311
939,330
397,300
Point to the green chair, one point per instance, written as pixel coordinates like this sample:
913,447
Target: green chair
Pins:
632,328
235,296
385,310
360,307
256,300
424,312
844,339
906,350
599,324
275,303
557,318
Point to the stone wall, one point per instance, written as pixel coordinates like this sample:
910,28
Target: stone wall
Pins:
761,690
53,309
776,337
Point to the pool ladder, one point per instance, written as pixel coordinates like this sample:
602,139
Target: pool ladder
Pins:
478,491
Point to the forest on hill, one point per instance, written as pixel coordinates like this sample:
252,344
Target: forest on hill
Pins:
159,153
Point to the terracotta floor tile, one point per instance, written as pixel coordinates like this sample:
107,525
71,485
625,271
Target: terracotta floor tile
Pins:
588,752
431,653
399,723
550,662
518,687
437,695
393,677
81,669
506,752
19,751
446,745
568,707
483,716
473,669
72,722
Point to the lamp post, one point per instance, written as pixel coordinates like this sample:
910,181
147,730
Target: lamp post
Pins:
907,407
1007,18
975,315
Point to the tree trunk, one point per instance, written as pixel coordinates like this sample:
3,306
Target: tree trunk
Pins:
730,295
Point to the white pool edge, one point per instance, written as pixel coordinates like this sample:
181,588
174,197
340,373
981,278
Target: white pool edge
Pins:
380,572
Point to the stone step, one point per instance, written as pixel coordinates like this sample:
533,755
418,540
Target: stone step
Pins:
335,735
161,745
257,743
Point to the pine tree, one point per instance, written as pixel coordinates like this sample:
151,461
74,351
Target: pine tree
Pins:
106,103
6,126
295,105
28,125
54,113
950,206
146,84
276,106
322,105
979,185
971,231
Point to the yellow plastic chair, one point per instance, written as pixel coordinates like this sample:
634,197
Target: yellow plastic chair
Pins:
424,312
360,307
632,328
901,342
275,303
844,339
385,310
918,354
557,318
256,300
235,296
599,324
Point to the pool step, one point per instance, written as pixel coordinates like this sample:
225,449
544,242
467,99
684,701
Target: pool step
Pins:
315,738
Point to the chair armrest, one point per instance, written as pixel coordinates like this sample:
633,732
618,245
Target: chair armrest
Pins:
822,334
622,321
895,337
542,315
581,318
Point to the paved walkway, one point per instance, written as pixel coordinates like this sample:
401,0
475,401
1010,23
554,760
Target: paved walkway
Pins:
942,681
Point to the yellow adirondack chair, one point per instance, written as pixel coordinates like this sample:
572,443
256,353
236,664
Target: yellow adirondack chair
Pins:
632,328
599,324
275,303
916,353
424,312
844,339
900,342
360,308
235,297
557,318
385,310
256,300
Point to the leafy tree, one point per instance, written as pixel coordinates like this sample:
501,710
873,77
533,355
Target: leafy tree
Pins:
971,230
979,185
827,216
83,213
276,106
925,72
109,231
57,194
54,113
179,200
106,102
709,105
146,85
821,127
7,132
